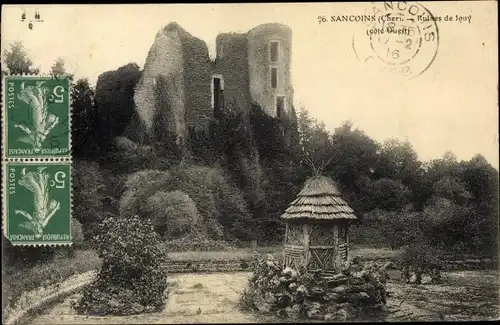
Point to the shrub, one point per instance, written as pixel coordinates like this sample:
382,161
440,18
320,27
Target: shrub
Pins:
418,260
396,229
131,279
217,201
173,213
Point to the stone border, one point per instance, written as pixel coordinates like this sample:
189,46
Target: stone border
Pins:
24,316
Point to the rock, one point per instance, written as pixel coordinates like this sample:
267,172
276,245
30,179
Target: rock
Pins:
363,296
331,296
329,317
316,291
293,286
341,315
313,311
294,312
288,271
302,288
125,143
340,289
137,308
361,287
283,312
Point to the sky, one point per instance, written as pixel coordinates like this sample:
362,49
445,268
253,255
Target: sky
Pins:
451,106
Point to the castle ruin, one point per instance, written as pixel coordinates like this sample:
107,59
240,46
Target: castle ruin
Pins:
182,83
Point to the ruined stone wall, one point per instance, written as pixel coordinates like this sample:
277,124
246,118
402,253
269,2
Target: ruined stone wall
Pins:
114,99
176,84
197,77
259,62
232,64
165,63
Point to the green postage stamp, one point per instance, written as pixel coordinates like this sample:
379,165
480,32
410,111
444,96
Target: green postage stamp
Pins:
36,117
38,204
36,161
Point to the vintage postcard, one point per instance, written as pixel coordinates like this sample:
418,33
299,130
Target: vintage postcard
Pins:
250,162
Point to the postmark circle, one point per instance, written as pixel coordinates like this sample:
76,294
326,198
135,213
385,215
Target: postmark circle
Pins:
403,38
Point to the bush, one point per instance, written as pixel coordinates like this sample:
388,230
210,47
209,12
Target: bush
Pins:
131,279
218,202
173,213
418,260
396,229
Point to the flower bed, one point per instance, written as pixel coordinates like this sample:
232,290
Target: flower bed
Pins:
355,292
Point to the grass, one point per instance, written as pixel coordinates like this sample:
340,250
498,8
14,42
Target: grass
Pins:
15,281
464,295
239,254
246,254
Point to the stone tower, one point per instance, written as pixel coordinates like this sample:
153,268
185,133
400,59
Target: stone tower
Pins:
184,88
269,63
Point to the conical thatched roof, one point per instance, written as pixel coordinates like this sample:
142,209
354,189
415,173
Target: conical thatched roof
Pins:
319,200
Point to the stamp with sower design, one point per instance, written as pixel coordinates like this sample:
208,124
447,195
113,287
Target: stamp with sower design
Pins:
38,203
37,117
403,38
36,175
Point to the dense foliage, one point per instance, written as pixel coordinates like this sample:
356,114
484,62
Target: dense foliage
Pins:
131,279
240,173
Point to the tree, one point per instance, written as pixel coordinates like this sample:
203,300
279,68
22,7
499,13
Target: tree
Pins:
58,67
354,158
17,60
314,142
450,225
453,189
88,196
481,180
388,194
85,134
397,160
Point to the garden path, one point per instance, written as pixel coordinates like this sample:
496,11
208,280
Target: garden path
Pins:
193,298
213,298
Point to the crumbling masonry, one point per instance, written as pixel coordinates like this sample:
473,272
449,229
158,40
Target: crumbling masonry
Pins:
181,83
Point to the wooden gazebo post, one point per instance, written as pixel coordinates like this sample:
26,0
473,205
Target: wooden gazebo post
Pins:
313,221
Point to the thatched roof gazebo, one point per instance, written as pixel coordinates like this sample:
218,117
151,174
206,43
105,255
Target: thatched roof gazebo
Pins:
317,222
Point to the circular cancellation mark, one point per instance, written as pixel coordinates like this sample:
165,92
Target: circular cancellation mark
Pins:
403,38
